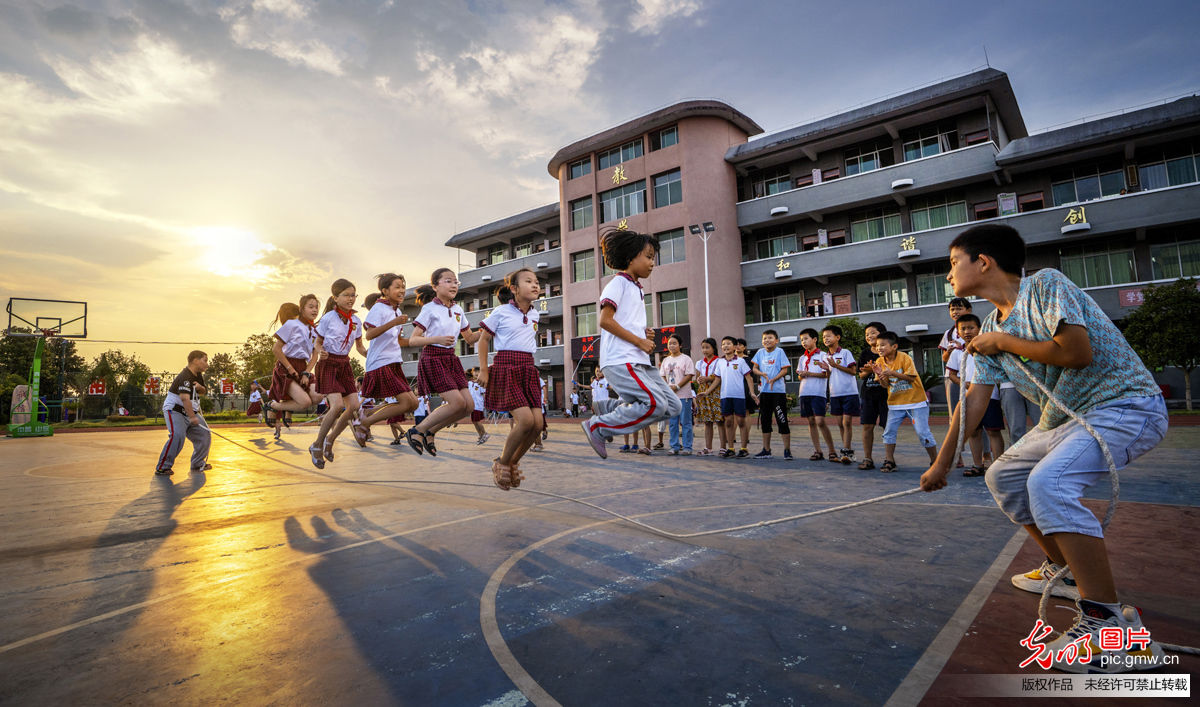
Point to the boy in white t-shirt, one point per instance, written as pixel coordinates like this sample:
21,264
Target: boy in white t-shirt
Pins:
843,387
813,381
963,364
626,345
731,375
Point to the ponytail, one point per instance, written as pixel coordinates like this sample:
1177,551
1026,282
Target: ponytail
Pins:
425,295
287,311
339,286
371,300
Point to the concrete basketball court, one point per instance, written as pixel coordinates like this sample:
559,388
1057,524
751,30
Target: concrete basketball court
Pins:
268,581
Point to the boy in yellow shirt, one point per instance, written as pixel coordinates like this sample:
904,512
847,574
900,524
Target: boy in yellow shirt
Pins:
906,397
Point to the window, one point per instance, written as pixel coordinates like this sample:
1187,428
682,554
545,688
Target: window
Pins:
937,212
668,189
804,180
496,253
1168,173
868,157
930,140
1032,201
670,247
1091,266
623,201
664,138
931,359
648,302
777,242
882,294
672,308
874,224
522,248
976,137
831,173
932,288
581,213
583,265
1086,183
1175,260
585,319
769,181
986,209
617,155
782,306
578,168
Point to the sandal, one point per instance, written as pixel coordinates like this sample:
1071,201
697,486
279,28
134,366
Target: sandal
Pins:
887,467
644,450
517,476
411,437
816,457
835,458
501,474
328,451
867,463
974,471
315,452
427,440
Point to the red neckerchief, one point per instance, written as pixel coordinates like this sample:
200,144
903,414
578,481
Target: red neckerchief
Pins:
808,357
629,277
347,317
310,325
524,312
708,364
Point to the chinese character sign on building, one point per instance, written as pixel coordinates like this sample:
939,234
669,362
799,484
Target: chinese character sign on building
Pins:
96,387
151,386
226,386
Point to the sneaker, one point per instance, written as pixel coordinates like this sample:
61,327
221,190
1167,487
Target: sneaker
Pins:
686,453
847,456
764,454
317,460
1137,652
277,431
787,455
163,472
1035,581
742,453
594,439
483,438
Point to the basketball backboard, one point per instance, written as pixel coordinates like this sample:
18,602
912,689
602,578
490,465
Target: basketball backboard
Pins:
38,317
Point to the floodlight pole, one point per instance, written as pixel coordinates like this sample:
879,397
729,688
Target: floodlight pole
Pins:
705,232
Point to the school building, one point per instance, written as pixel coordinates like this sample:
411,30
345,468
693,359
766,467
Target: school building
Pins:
849,215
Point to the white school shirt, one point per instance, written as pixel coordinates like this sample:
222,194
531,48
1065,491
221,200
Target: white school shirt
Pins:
385,348
436,319
623,294
332,328
574,398
808,364
477,392
422,406
599,389
298,338
512,329
733,376
840,382
951,339
255,396
968,372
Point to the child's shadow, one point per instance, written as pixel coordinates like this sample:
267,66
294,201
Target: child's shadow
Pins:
412,609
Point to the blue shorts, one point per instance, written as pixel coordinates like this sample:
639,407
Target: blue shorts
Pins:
1040,479
812,406
843,405
733,406
993,418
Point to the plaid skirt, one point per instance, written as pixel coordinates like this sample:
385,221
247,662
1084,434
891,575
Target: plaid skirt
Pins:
385,382
280,380
513,382
477,416
708,408
334,375
254,409
439,370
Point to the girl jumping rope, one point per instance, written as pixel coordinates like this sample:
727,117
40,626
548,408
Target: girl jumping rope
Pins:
335,379
294,344
385,377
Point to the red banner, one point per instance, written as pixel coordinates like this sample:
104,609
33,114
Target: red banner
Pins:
96,388
151,386
226,386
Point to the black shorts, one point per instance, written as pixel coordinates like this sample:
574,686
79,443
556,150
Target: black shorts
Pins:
773,406
812,406
993,417
843,405
874,410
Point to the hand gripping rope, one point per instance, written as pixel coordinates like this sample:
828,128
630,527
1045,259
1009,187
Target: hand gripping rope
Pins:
1115,483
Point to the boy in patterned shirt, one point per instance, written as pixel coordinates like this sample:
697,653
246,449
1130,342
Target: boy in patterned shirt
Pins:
1047,328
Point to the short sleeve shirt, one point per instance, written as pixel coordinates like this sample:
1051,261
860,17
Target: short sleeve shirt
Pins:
624,295
437,319
512,329
771,363
903,395
807,362
1045,300
385,348
298,339
674,369
184,384
841,383
337,334
732,374
477,392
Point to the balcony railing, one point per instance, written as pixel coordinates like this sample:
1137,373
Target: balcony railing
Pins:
494,274
1114,214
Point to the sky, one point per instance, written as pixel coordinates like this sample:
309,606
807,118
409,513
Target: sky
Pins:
187,166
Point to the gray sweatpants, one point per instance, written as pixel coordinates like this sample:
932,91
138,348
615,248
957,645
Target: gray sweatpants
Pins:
644,398
179,430
1016,407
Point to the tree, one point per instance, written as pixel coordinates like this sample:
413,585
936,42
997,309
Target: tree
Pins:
59,356
121,373
1162,329
255,359
853,337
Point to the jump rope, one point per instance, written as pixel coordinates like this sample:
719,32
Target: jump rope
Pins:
960,443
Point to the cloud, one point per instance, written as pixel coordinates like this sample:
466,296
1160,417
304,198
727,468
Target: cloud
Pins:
284,29
652,14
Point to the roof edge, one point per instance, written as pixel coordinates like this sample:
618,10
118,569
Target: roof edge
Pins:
525,218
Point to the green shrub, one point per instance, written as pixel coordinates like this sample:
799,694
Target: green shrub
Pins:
126,418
